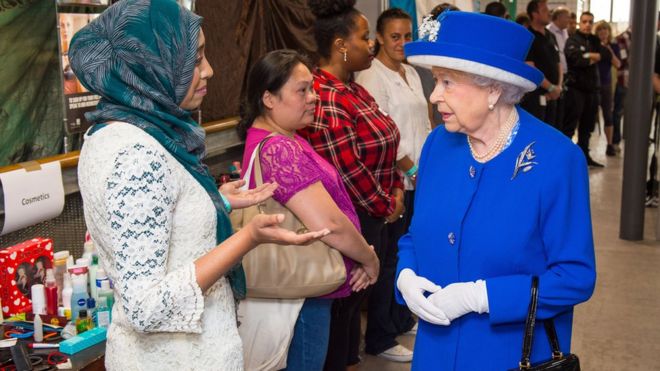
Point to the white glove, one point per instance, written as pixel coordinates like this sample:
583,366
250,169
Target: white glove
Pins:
412,289
460,298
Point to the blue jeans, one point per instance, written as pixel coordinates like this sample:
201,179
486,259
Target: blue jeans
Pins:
310,336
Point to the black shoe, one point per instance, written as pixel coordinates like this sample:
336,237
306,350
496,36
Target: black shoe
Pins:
610,151
592,163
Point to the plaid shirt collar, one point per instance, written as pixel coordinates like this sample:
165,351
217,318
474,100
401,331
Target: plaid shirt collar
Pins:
332,81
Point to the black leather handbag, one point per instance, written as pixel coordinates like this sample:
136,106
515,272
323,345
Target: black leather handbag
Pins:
559,361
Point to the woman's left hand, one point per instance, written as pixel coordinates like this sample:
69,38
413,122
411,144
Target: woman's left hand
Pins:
461,298
239,199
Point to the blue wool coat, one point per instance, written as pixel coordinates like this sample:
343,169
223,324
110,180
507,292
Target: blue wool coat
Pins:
478,221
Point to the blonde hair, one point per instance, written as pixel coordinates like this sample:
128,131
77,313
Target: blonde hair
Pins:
604,25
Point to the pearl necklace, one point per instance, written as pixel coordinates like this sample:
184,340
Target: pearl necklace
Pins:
499,142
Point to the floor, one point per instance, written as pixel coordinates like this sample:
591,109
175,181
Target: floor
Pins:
619,328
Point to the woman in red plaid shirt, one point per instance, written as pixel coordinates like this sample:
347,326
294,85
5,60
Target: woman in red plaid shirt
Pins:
361,141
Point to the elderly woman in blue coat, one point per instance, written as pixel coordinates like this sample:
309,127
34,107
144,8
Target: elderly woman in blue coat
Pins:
502,197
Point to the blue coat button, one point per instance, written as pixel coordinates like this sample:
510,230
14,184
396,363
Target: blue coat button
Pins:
473,171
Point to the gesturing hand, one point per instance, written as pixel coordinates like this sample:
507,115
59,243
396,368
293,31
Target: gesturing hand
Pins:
264,228
239,198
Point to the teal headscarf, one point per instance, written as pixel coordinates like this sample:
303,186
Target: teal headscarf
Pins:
139,56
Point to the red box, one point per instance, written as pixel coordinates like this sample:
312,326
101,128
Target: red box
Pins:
22,266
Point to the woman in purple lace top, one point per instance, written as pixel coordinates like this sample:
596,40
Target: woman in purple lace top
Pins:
280,99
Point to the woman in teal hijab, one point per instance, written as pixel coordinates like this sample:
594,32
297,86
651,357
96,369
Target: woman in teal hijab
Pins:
151,205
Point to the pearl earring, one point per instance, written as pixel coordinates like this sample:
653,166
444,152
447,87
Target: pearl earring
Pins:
345,56
491,107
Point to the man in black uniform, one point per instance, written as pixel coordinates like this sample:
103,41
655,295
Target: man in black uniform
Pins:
544,55
583,51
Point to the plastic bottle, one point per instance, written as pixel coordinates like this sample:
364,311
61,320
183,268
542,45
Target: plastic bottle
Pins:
38,329
67,291
100,277
82,321
93,272
38,298
80,294
59,264
88,249
91,311
103,315
83,262
51,293
106,292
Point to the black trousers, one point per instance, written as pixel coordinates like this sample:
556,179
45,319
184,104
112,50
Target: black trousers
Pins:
386,319
547,113
617,112
581,111
344,342
531,102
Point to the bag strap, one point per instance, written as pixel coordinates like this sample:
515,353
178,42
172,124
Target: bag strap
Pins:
552,338
258,179
528,339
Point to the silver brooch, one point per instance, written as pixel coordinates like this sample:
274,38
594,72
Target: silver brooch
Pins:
429,28
524,161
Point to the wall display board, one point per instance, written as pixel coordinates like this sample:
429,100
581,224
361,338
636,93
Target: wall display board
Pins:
30,93
77,99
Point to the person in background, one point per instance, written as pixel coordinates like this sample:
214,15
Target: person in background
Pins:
496,9
354,135
544,55
523,20
583,52
622,74
558,26
572,24
153,210
425,75
397,89
604,33
280,99
496,190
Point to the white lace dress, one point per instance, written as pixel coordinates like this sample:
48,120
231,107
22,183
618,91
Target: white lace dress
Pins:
150,219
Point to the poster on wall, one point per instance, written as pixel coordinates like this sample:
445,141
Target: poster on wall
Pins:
77,99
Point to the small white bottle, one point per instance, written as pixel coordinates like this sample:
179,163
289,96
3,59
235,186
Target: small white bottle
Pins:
38,329
67,291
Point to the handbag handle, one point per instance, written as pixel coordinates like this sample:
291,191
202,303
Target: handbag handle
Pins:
258,179
530,322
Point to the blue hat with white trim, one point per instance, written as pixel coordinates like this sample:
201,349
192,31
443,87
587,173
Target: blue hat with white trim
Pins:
478,44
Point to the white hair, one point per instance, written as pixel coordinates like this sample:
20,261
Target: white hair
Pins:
511,94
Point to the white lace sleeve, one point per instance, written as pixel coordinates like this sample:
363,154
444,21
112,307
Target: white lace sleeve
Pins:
140,198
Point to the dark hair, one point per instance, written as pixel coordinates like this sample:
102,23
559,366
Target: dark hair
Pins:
533,7
523,19
587,13
495,8
269,73
334,18
393,13
441,8
573,15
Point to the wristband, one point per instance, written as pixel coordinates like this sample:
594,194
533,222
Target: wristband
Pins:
225,202
551,88
411,171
